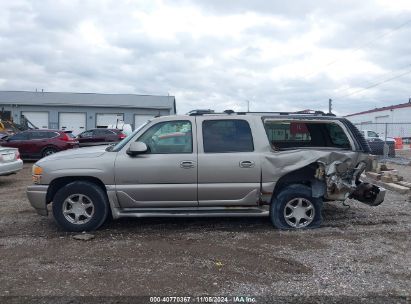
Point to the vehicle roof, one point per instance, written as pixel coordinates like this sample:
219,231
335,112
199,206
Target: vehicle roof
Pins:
285,115
42,130
110,129
47,130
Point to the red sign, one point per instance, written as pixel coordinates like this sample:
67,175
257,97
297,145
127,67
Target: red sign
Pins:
298,128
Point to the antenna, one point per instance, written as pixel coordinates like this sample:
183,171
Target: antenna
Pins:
330,105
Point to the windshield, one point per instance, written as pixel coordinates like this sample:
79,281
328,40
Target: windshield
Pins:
122,143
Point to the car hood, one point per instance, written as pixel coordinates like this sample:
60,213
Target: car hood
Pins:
89,152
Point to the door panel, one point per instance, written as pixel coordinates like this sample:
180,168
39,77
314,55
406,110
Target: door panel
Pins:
160,177
227,178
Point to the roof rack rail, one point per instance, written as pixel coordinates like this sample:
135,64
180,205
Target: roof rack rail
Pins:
200,112
230,112
320,113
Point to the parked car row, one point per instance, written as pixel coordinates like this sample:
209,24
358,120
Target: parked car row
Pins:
41,143
33,144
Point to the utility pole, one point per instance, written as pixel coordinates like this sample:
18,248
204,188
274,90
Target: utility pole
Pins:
248,105
330,106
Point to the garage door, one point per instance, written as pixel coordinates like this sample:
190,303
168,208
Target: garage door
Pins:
75,122
106,119
38,119
139,119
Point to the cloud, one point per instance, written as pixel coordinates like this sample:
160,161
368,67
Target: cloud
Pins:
211,54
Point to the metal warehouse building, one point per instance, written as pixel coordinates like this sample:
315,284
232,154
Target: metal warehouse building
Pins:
396,119
82,111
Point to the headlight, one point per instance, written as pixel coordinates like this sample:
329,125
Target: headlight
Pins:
36,171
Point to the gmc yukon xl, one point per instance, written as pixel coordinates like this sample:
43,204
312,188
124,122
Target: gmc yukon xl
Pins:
280,165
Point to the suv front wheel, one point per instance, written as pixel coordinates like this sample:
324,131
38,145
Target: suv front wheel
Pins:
80,206
295,208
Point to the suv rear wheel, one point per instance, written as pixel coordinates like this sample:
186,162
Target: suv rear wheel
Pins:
295,208
80,206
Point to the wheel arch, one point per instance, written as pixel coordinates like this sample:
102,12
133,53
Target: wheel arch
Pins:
60,182
302,176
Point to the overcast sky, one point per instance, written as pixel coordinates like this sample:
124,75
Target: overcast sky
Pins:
279,55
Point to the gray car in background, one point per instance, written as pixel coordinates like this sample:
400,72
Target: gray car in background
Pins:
279,165
10,161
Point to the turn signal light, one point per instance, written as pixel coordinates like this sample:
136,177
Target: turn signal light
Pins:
37,170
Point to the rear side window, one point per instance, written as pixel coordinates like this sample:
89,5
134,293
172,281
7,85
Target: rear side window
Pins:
87,134
69,134
290,134
223,136
20,136
42,135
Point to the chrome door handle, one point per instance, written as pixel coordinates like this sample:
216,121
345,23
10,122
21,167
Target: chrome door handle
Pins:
247,164
187,164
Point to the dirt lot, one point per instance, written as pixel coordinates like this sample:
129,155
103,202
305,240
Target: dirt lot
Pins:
359,251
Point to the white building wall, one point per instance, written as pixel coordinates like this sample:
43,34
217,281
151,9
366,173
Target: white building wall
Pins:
399,122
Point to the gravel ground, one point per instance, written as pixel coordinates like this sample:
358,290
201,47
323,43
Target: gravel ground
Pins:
359,251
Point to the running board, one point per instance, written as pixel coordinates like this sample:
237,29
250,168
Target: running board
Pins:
191,212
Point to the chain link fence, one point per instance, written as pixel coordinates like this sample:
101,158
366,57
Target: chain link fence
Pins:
389,140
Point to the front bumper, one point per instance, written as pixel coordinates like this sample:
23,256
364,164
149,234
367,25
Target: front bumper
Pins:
37,197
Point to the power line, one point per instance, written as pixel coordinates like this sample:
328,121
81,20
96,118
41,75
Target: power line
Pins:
373,85
360,47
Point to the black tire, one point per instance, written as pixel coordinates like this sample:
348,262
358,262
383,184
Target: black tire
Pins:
293,195
89,192
48,151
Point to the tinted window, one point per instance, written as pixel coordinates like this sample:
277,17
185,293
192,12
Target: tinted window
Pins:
20,136
69,134
103,132
99,132
87,134
221,136
41,135
169,137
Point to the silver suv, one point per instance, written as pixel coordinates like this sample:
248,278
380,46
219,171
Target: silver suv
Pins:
279,165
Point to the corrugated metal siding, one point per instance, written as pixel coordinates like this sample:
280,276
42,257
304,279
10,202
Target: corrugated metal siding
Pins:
88,99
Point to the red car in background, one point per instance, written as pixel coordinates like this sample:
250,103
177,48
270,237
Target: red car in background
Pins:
40,143
101,136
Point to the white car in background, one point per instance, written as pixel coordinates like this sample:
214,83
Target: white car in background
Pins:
371,136
10,161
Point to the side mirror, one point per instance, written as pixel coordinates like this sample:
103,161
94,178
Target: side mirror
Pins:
137,147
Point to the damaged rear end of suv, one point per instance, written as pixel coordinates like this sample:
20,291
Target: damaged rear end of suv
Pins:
315,159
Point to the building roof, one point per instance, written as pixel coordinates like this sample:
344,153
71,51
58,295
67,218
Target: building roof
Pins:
87,99
398,106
